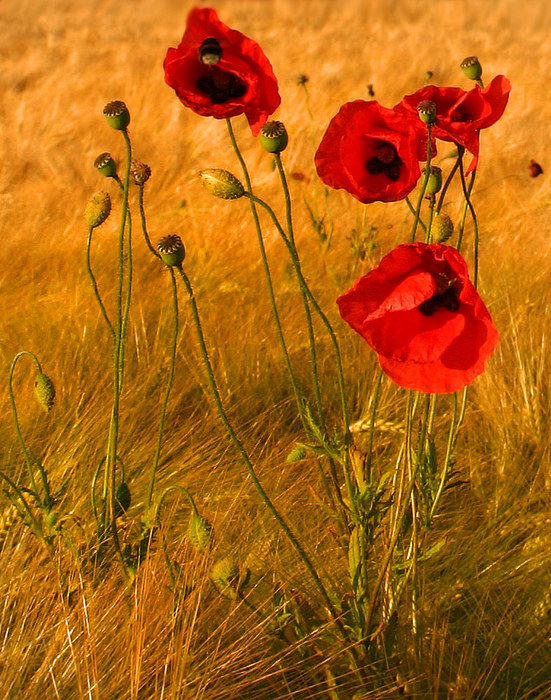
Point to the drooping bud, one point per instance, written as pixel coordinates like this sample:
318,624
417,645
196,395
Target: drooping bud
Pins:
442,228
471,68
427,111
97,209
221,183
123,499
199,532
140,172
117,115
225,576
172,251
434,182
45,391
105,165
210,51
273,137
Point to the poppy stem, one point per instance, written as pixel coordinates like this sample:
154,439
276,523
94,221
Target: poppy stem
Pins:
467,190
424,184
169,382
246,459
95,285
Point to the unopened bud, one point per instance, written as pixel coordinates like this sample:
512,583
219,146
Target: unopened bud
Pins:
427,111
225,576
434,182
172,251
106,165
221,183
117,115
297,454
199,532
471,68
44,391
97,209
273,137
140,172
442,228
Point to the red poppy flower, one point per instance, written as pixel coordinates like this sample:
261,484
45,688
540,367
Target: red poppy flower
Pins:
218,72
371,152
423,317
460,114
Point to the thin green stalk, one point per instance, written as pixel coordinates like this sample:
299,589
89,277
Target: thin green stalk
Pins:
144,223
375,395
169,382
447,458
129,270
423,185
95,285
241,449
30,458
467,194
449,179
413,211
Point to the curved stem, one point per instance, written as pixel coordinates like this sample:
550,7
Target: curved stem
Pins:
144,223
248,464
423,185
169,382
467,194
95,285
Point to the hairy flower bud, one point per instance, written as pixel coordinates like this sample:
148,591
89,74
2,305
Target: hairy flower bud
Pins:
199,532
442,228
117,115
427,111
297,454
471,68
434,182
140,172
273,137
172,251
44,391
105,165
97,209
221,183
225,576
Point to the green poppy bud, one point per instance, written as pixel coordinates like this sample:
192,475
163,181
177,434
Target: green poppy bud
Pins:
442,228
471,68
44,391
427,111
172,251
199,532
140,172
221,183
117,115
273,137
97,209
106,165
297,454
225,576
434,183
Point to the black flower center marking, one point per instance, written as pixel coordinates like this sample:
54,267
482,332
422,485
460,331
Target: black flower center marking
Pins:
385,161
448,299
221,86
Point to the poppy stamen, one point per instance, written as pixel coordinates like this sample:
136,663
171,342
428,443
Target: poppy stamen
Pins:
385,161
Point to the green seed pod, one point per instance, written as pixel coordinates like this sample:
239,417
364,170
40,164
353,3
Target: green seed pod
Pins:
105,165
221,183
297,454
44,391
172,251
122,499
442,228
140,172
471,68
427,111
117,115
434,183
97,209
199,532
273,137
225,576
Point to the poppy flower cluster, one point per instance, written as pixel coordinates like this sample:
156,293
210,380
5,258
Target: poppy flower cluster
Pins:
219,72
423,317
373,152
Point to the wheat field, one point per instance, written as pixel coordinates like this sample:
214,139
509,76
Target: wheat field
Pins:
487,591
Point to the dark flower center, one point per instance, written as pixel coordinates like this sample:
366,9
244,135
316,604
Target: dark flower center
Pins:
448,299
460,115
385,161
220,85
